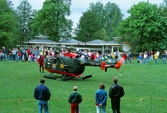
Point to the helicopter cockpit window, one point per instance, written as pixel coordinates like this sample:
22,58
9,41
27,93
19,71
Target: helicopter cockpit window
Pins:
49,61
54,63
54,60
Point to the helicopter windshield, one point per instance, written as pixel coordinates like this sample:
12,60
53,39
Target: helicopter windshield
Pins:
54,60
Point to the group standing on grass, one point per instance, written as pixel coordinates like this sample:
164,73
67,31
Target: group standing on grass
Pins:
116,91
30,54
144,57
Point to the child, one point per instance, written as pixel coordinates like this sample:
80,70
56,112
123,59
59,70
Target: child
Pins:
75,99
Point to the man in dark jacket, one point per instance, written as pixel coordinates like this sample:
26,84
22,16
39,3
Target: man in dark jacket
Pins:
42,94
75,99
116,91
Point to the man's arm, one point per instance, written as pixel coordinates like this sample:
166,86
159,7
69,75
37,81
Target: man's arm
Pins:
35,94
121,92
110,92
80,98
48,94
105,99
69,99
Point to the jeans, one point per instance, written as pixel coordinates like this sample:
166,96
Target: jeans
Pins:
145,61
20,58
164,60
43,104
156,61
99,108
14,57
4,56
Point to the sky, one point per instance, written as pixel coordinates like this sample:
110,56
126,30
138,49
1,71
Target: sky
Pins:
80,6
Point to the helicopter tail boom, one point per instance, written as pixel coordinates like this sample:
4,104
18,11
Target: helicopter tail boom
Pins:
116,65
105,65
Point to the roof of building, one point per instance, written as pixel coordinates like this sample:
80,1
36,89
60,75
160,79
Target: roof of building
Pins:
70,41
40,41
97,41
45,40
42,36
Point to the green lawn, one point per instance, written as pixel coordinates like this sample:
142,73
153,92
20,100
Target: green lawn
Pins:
145,88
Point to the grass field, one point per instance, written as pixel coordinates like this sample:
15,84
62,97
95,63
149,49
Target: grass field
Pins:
145,88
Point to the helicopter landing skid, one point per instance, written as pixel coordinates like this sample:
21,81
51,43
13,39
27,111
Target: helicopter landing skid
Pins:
64,78
85,77
49,76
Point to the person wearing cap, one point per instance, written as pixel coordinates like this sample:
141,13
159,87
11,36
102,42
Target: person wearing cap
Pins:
100,99
75,99
42,94
116,91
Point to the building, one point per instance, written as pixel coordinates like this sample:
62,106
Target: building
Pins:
41,41
102,46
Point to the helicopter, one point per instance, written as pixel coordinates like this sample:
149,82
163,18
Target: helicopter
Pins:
70,66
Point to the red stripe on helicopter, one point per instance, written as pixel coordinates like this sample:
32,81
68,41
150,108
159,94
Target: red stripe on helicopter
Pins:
63,73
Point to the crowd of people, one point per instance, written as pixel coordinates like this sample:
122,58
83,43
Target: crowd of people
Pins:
32,55
144,57
116,91
20,54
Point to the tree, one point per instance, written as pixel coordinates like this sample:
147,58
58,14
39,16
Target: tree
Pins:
51,19
101,34
100,18
98,10
109,16
24,18
145,27
7,24
89,24
113,17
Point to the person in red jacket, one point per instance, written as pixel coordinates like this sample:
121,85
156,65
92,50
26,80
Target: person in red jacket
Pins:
41,64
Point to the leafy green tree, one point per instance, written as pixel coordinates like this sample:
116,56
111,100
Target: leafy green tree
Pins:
101,34
51,19
24,18
145,27
112,17
33,15
7,24
163,8
98,10
100,18
89,24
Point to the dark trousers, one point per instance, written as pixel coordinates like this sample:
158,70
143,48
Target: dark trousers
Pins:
41,68
115,105
74,108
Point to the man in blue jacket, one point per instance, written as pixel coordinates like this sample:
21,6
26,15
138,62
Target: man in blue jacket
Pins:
42,94
101,98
